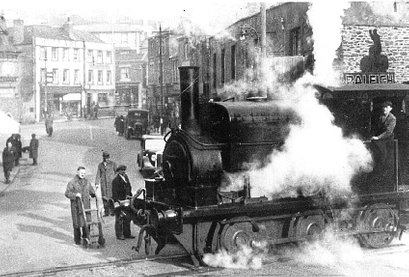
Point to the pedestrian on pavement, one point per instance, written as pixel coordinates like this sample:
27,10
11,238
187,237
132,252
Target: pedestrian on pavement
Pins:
8,161
79,189
121,190
34,148
13,140
96,108
105,174
19,149
49,121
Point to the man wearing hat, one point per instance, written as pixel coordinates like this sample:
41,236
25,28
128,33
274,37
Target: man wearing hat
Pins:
105,174
121,190
386,126
386,123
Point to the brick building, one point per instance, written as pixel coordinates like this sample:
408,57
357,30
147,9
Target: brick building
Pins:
62,70
10,98
130,42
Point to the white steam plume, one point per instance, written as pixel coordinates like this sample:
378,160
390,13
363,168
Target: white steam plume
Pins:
315,155
325,19
246,257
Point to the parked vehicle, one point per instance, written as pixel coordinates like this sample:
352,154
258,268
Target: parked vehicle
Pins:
136,123
150,155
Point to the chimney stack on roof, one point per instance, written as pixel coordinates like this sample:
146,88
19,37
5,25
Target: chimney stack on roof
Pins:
18,31
67,27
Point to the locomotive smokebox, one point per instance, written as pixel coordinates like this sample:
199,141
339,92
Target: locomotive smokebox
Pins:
189,87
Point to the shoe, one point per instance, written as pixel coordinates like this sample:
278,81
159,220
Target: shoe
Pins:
78,242
130,237
121,238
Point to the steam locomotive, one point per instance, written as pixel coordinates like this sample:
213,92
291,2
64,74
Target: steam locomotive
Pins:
189,206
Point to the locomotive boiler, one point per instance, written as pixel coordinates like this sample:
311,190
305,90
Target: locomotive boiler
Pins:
189,205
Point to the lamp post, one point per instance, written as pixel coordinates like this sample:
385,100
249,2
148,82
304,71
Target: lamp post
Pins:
45,83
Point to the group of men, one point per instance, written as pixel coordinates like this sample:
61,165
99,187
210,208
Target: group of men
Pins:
114,185
13,152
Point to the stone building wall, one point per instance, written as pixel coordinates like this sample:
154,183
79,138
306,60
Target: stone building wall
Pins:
395,45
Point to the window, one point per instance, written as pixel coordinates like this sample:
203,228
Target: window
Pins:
76,54
43,53
186,51
66,76
124,38
102,98
54,53
175,71
99,57
109,57
99,80
233,62
295,42
65,54
90,56
90,77
109,77
214,70
42,75
124,73
76,76
55,76
222,65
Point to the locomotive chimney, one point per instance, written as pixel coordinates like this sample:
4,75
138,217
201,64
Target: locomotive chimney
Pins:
189,87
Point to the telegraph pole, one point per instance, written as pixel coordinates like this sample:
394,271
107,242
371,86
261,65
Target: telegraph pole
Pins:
162,100
45,84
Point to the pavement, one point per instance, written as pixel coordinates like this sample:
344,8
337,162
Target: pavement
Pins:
25,140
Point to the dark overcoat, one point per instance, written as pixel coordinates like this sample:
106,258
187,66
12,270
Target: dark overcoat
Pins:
105,175
84,187
8,159
120,188
34,148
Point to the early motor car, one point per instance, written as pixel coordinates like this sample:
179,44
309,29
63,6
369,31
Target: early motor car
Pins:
136,123
150,155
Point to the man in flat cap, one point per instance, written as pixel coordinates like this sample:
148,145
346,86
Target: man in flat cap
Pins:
121,190
386,123
103,181
384,132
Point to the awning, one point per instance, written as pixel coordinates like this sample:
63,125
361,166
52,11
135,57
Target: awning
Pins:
72,97
61,90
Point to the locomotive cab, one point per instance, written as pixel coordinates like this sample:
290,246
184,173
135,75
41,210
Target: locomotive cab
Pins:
357,109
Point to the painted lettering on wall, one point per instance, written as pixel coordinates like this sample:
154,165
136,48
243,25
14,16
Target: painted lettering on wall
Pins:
369,78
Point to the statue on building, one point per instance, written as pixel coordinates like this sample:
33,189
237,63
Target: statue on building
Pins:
375,61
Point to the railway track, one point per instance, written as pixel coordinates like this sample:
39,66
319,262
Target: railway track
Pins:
181,263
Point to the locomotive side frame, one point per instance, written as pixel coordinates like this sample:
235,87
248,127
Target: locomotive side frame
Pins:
205,226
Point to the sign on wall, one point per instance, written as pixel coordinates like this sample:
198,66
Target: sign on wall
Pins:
369,78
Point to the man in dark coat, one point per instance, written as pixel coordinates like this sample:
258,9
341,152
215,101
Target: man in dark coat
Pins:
19,149
121,190
34,148
79,189
8,161
384,132
15,144
105,174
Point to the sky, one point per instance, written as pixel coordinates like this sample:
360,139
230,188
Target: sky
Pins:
211,16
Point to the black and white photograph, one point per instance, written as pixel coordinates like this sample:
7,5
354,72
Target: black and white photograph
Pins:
204,138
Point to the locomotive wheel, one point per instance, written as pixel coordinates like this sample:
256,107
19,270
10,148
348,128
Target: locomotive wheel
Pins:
309,227
377,216
237,235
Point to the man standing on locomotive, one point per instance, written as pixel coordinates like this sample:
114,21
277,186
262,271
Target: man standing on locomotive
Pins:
386,124
121,190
